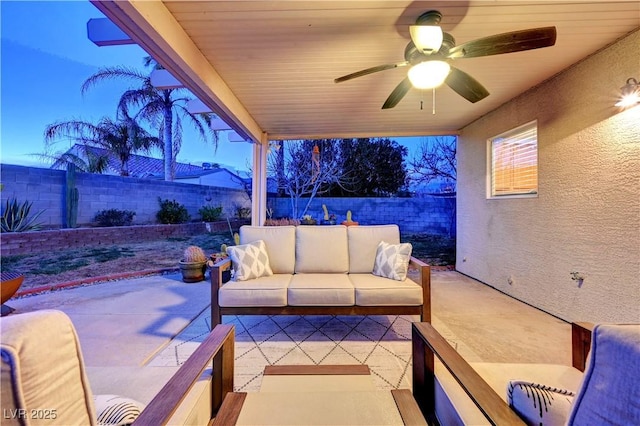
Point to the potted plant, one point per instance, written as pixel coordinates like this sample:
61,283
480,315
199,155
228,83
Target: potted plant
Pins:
349,222
307,220
193,264
329,219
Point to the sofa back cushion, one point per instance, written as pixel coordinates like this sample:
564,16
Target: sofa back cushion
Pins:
363,244
610,390
43,370
280,242
322,249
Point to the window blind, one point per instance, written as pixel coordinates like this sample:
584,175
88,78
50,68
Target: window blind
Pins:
514,162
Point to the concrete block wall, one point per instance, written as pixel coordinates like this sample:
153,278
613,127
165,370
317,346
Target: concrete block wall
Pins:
424,214
45,188
15,243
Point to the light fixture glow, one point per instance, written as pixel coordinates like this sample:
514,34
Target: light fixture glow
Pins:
630,94
428,74
427,38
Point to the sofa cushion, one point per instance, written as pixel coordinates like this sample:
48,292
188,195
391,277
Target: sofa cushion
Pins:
363,243
37,377
539,404
610,391
371,290
392,260
320,290
249,261
280,242
322,249
263,291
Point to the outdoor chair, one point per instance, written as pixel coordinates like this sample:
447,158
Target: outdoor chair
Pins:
44,379
608,392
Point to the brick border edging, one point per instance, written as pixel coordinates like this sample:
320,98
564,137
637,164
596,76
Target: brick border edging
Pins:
93,280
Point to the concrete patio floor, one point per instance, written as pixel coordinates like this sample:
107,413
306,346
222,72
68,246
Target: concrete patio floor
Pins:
123,324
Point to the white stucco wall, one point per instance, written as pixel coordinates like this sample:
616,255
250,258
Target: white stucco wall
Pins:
586,217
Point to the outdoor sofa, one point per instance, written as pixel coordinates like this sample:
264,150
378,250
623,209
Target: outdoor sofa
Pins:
320,270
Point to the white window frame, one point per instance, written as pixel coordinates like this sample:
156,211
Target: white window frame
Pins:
528,132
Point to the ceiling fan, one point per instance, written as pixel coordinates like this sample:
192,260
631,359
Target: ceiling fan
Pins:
430,49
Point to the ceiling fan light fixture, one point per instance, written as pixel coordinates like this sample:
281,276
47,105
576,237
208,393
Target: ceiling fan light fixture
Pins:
427,38
428,74
630,94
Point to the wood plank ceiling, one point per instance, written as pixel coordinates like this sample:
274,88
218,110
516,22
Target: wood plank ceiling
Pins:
279,58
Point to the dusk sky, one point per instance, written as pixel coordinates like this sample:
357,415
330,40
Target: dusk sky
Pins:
46,56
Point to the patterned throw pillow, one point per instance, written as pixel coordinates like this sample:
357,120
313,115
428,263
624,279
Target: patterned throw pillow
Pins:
392,260
114,410
539,404
249,261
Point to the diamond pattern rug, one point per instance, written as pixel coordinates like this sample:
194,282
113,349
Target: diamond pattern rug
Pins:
383,342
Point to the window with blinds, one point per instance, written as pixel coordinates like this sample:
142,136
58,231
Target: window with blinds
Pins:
514,162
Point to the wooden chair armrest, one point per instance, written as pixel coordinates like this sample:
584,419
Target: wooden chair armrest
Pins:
219,347
425,281
427,342
215,272
580,343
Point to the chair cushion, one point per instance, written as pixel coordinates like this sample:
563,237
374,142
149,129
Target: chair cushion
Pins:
322,249
610,391
43,369
371,290
280,242
392,260
263,291
249,261
363,244
538,404
320,290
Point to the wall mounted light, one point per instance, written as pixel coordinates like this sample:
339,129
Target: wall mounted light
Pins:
630,94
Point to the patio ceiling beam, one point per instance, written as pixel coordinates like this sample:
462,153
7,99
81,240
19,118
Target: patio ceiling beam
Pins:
153,27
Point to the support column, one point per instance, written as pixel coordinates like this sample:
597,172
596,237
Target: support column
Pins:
259,182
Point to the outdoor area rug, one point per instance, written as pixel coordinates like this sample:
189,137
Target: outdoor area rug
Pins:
383,342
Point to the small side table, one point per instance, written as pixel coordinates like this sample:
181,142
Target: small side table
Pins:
10,282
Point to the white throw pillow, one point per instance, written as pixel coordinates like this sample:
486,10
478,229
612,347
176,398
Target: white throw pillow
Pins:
249,261
114,410
392,260
539,404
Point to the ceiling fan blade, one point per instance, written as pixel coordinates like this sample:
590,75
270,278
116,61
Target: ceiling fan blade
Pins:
369,71
397,94
465,85
515,41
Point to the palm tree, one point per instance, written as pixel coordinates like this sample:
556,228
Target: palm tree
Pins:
162,108
121,137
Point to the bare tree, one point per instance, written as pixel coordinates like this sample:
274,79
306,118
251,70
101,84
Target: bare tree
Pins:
298,179
436,160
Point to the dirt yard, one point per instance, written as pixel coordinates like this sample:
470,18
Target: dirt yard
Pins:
49,269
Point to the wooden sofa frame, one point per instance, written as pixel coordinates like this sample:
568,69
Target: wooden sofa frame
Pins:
427,343
217,348
423,310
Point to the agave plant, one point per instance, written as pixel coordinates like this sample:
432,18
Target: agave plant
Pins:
15,217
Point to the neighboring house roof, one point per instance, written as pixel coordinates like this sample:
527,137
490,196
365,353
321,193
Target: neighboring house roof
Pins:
138,165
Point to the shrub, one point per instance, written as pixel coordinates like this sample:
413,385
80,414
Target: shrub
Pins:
15,217
172,211
114,217
210,213
242,212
